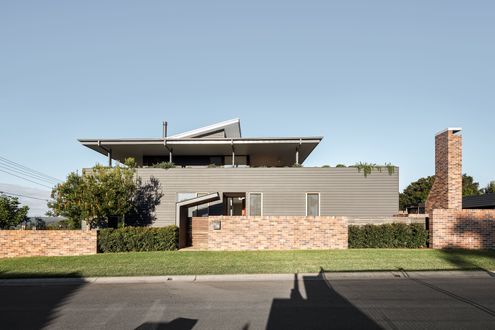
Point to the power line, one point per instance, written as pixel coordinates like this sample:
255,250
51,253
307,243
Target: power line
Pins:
21,195
20,177
25,173
30,169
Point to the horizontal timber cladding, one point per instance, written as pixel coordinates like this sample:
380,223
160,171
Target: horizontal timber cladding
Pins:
343,191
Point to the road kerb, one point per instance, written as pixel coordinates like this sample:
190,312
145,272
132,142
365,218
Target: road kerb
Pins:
330,276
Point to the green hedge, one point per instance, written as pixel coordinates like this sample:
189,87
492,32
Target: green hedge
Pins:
138,239
395,235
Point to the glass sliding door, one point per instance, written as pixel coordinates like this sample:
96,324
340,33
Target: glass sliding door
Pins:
235,204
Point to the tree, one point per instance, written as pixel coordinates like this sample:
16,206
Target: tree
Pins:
96,196
417,192
66,200
490,188
11,214
469,187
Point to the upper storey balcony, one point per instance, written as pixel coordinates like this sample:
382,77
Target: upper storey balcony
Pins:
215,145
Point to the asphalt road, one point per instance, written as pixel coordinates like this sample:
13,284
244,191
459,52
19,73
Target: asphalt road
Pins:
308,303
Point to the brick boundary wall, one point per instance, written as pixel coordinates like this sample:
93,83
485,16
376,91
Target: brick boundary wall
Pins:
466,229
29,243
269,233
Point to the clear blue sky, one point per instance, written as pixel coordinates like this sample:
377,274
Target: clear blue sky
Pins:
376,78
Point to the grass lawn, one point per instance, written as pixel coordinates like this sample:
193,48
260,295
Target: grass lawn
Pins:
195,262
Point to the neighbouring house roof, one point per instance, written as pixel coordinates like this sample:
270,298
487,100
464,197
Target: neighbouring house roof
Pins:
479,202
218,139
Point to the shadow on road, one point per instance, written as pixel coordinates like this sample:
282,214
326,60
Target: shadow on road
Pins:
466,259
179,323
323,308
26,306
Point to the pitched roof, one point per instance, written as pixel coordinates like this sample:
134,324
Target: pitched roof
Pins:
481,201
231,129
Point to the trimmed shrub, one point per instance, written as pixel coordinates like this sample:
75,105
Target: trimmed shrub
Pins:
138,239
395,235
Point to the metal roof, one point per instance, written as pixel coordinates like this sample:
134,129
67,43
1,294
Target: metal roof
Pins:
479,202
280,150
232,129
198,142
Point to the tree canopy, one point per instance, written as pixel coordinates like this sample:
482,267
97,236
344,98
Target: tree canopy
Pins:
469,187
490,188
417,192
96,196
11,213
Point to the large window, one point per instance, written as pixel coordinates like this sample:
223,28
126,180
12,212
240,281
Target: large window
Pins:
312,204
255,204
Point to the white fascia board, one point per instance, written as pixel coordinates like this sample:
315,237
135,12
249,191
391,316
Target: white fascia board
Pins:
121,141
234,142
198,141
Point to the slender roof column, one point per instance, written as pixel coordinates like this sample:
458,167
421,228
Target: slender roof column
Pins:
110,157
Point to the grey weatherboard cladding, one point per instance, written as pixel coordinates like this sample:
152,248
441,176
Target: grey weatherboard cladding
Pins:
343,191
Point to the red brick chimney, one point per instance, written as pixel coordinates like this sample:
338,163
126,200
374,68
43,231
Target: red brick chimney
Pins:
446,192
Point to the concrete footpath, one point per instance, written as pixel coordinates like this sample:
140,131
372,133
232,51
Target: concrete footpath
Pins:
255,277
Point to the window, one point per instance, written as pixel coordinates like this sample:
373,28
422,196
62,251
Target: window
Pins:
185,196
312,204
201,210
255,204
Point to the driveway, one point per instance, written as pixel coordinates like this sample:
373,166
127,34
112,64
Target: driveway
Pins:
304,303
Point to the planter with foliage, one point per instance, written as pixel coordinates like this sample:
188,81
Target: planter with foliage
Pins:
164,165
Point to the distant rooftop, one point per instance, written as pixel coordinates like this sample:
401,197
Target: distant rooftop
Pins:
486,201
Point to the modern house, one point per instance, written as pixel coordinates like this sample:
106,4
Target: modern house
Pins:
219,172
